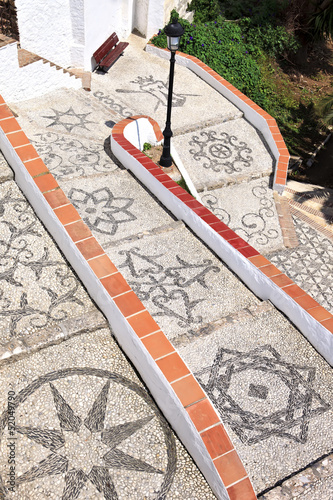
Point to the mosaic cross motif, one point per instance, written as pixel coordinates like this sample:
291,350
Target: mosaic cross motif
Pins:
66,156
69,119
253,227
89,449
220,152
24,257
260,395
101,210
310,264
112,104
158,89
166,286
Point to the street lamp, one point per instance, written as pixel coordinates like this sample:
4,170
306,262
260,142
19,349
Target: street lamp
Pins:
173,31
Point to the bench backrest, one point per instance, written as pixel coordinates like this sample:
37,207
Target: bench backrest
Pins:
105,47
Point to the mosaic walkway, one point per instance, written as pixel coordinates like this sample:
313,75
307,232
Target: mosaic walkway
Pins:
75,419
310,264
271,388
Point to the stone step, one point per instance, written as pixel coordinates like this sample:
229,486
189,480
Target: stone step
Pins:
25,57
143,89
271,389
114,206
116,441
181,283
66,111
224,154
249,209
6,173
310,263
42,300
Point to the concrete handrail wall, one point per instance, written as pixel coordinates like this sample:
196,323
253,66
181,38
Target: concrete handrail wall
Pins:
264,279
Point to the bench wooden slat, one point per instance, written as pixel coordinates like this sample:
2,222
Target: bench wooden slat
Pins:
105,47
109,51
113,55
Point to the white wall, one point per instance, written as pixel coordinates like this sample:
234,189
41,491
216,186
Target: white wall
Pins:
18,84
140,15
159,13
155,17
67,32
77,50
179,5
102,18
45,29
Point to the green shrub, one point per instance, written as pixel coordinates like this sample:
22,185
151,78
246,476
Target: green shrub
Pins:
273,40
245,54
222,46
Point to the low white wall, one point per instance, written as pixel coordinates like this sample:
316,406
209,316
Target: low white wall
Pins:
19,84
158,385
259,283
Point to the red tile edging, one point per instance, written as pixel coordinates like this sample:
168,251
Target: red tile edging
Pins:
182,382
208,218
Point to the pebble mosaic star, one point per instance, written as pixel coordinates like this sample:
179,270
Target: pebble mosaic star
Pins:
243,387
88,450
69,119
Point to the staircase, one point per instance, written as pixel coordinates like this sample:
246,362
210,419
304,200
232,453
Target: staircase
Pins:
26,75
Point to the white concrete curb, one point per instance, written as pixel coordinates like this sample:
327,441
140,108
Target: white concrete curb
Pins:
258,282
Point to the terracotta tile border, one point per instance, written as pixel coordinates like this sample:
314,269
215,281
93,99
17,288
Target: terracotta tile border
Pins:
282,151
200,410
277,277
289,236
324,225
182,382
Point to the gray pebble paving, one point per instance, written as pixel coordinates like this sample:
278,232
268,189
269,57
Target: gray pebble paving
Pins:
86,427
273,391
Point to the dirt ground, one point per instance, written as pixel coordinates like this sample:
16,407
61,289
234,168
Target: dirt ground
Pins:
315,79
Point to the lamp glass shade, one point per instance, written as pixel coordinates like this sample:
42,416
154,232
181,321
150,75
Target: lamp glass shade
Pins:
174,31
173,43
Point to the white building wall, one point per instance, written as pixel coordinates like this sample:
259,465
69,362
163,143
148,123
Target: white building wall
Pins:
179,5
155,17
19,84
140,15
159,13
78,32
67,32
102,18
45,29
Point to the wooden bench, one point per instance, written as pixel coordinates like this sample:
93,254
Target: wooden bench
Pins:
108,52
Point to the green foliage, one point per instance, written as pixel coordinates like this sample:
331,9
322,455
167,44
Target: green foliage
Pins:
259,12
205,10
326,109
244,53
273,40
146,146
322,23
183,184
223,47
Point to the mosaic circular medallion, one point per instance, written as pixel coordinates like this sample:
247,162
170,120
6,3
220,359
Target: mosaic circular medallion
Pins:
69,439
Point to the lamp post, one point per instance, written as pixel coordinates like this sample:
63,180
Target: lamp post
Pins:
173,31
